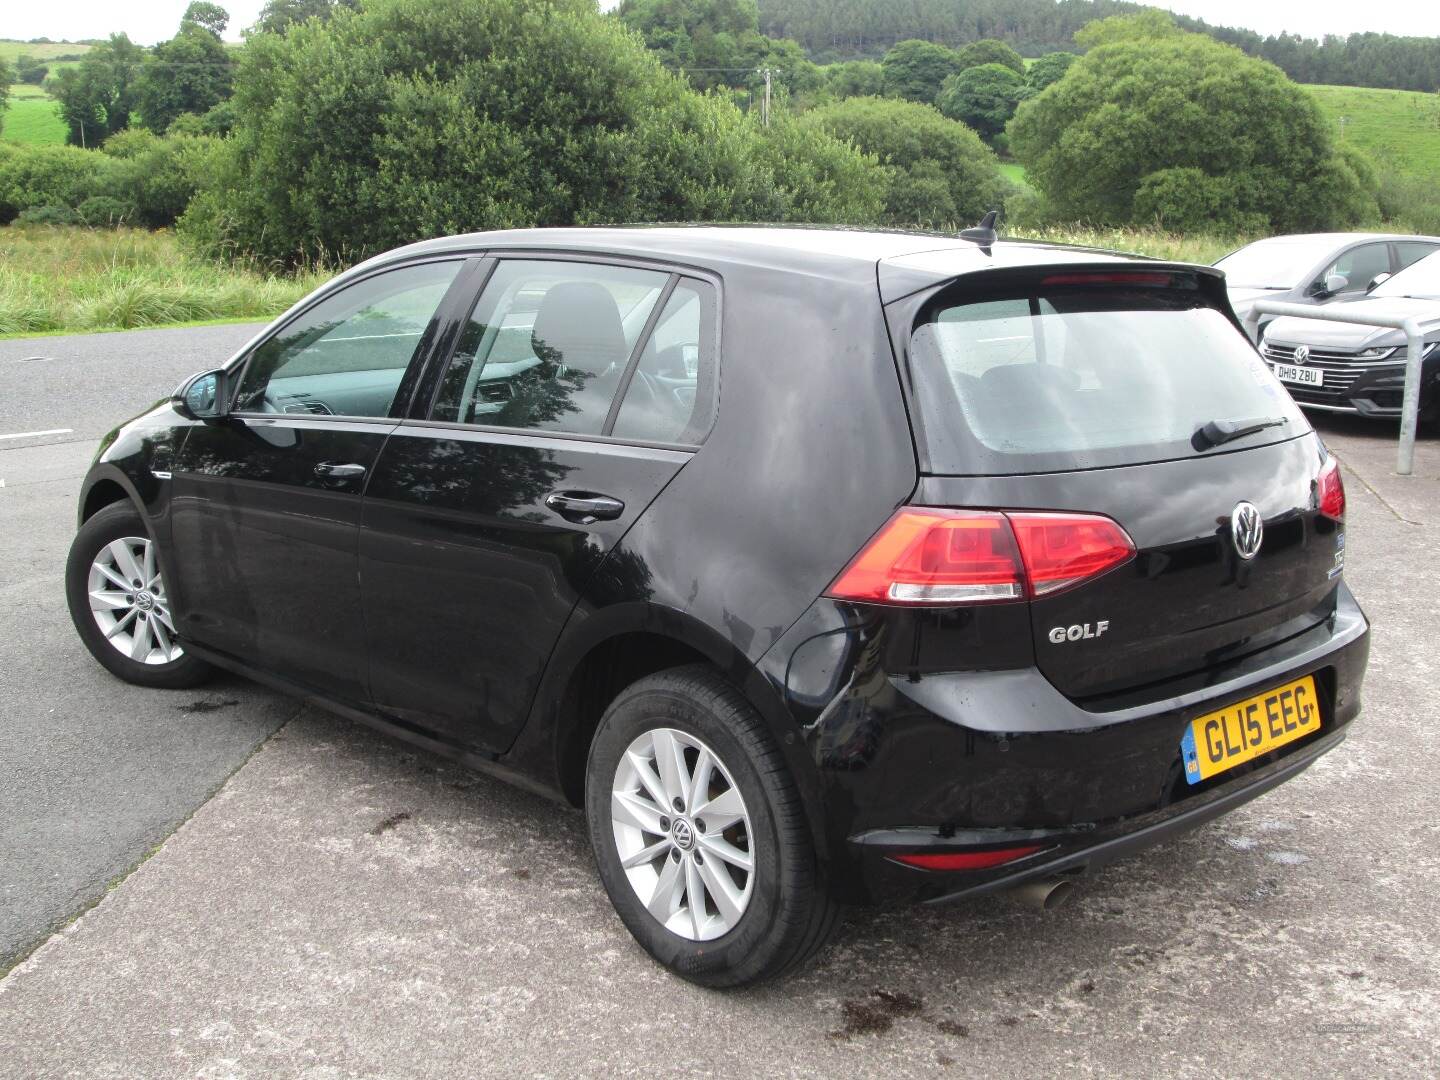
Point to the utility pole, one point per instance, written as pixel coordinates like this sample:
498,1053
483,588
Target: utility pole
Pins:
1343,121
765,108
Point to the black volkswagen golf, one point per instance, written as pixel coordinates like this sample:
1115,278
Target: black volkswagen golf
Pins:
818,567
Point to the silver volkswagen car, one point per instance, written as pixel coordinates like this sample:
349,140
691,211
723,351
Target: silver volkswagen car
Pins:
1317,268
1354,368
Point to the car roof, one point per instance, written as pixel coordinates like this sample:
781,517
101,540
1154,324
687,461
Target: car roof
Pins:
1338,238
906,260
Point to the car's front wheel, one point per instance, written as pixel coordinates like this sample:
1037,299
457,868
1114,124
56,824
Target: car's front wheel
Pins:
119,604
699,833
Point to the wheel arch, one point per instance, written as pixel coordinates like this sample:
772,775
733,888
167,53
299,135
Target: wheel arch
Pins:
104,487
610,648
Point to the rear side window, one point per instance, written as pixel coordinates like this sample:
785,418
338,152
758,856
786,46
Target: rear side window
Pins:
547,345
1084,376
1412,251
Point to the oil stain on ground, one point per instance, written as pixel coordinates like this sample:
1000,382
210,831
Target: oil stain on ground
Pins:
876,1013
386,824
205,705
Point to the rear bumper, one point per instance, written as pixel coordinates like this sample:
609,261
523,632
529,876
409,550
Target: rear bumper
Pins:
965,761
1081,853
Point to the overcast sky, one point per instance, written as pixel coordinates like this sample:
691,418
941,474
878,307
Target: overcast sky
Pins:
149,21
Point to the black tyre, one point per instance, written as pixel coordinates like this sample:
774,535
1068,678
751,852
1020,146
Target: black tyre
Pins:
118,602
699,833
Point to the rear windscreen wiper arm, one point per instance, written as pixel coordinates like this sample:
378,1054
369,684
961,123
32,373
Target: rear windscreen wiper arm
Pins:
1216,432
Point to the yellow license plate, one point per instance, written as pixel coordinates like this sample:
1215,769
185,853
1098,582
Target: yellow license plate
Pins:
1237,733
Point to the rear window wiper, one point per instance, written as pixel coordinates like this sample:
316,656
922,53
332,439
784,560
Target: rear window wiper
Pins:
1216,432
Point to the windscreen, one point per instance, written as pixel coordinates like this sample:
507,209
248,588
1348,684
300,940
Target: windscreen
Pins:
1420,280
1087,376
1280,263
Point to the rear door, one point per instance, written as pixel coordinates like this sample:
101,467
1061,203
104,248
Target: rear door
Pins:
266,503
1089,392
575,392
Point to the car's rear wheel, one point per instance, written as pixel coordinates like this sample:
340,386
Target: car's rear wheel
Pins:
699,833
119,604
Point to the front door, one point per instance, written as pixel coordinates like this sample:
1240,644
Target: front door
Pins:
266,503
575,393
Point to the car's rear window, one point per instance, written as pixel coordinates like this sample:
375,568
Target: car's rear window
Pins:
1084,376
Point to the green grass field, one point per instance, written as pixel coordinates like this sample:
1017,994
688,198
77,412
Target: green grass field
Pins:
56,280
31,118
1398,130
76,279
10,49
1014,172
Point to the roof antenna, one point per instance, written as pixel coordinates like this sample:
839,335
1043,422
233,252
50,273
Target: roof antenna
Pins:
983,235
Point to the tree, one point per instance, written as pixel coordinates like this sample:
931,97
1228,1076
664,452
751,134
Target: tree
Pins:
29,70
98,94
717,43
1182,127
190,73
983,97
941,174
6,78
915,70
1148,24
990,51
1050,68
415,118
278,16
207,16
856,78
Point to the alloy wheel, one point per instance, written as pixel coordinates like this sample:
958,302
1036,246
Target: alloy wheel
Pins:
128,601
683,835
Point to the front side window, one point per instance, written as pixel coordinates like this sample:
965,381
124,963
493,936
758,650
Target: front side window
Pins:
1084,377
347,354
1360,266
547,346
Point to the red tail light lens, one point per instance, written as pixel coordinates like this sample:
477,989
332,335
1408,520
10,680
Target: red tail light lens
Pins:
1330,491
965,860
936,557
1062,550
925,556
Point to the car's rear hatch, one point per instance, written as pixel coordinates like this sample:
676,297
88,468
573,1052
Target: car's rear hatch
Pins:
1088,390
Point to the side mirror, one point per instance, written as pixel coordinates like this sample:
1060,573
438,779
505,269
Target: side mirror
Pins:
204,396
1335,283
1377,281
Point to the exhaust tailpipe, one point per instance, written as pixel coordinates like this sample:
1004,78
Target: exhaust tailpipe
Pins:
1044,894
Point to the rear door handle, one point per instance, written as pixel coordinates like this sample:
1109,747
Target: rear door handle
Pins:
583,507
334,470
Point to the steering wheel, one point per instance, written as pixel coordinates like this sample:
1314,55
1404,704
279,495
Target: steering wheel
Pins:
664,400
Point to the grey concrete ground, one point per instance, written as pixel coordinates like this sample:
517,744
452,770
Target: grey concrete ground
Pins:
93,773
347,907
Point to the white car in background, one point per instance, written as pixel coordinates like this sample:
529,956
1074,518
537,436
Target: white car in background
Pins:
1317,268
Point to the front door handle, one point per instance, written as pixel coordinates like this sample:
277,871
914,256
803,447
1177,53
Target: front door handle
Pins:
334,470
584,507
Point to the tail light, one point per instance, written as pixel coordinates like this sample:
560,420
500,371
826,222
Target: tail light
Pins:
965,860
1330,491
926,556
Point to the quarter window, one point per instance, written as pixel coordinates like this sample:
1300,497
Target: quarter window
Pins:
548,345
347,354
671,395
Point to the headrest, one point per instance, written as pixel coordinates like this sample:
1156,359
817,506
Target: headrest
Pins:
578,325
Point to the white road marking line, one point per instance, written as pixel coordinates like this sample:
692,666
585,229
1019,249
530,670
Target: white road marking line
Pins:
37,434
